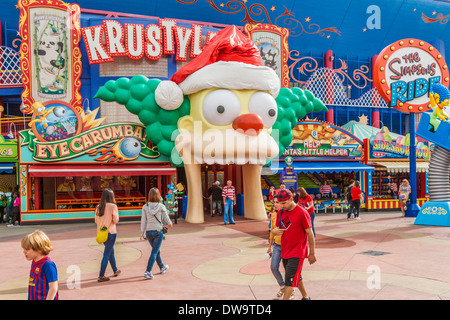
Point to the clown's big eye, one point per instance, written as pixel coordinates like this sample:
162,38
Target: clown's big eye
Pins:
221,107
264,105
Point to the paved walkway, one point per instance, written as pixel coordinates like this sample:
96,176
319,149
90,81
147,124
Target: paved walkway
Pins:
382,256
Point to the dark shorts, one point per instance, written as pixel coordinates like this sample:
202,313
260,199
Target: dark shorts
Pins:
293,271
216,205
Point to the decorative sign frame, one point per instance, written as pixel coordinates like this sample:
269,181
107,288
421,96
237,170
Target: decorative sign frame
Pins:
268,37
405,72
321,141
392,150
111,39
50,53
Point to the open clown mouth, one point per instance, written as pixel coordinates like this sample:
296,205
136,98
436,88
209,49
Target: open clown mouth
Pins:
225,147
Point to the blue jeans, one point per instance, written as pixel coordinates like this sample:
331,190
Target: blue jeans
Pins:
351,207
155,239
228,211
108,255
313,216
275,264
8,214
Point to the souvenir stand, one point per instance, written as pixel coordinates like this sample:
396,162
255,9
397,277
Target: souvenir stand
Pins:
321,152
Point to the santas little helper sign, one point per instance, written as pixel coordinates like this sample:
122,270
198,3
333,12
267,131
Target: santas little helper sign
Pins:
406,70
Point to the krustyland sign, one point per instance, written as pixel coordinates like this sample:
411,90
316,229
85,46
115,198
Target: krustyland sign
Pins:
136,40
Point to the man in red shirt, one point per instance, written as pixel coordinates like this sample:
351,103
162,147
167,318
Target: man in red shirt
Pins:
357,198
294,227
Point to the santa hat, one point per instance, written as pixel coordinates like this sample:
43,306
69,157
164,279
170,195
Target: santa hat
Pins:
231,61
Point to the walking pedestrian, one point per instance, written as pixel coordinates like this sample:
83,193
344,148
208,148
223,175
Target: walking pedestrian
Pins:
403,195
348,199
357,198
215,192
2,206
229,198
274,251
9,205
294,227
295,194
307,202
271,194
15,210
107,215
154,217
43,281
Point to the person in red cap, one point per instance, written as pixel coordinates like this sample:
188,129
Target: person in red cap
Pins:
294,227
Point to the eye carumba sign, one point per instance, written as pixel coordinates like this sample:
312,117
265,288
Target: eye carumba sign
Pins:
406,70
111,39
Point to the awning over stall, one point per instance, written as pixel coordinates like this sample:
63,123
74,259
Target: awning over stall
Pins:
6,167
100,170
402,166
342,166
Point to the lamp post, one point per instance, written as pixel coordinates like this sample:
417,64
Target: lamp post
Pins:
412,210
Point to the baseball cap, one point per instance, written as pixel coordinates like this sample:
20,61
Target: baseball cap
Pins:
284,195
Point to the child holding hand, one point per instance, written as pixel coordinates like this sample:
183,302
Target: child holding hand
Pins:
43,282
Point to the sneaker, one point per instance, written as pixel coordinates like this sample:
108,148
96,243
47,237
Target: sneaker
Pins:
164,269
292,296
117,273
306,298
358,218
10,225
148,275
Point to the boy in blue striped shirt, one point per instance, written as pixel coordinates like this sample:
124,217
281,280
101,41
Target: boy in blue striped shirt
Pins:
43,282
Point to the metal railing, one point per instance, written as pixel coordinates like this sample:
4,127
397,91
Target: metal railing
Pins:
10,73
9,127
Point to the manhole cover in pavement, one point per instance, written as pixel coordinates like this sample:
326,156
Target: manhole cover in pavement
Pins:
374,253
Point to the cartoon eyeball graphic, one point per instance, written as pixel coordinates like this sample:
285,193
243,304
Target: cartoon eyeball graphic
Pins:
130,148
59,111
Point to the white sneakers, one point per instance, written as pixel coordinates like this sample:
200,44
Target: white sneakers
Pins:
149,275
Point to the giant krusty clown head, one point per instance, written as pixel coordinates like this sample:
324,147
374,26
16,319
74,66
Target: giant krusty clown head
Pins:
222,107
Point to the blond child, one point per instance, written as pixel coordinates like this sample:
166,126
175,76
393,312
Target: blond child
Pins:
43,282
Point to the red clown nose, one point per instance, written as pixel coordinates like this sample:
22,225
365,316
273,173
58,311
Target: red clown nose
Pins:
250,124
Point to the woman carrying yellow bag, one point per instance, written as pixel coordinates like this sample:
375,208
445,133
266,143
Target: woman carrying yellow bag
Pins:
107,214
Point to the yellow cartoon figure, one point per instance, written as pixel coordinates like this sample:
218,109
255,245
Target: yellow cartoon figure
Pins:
41,114
439,99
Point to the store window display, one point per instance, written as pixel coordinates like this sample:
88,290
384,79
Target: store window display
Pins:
85,191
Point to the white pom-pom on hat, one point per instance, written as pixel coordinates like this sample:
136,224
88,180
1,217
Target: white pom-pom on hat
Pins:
169,95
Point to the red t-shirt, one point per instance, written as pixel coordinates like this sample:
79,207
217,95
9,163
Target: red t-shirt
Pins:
355,193
294,241
306,202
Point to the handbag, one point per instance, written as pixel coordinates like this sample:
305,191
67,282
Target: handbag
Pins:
165,228
102,235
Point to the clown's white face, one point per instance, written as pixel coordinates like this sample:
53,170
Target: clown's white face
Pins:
228,126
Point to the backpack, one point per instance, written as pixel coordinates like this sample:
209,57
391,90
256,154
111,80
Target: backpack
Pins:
349,193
